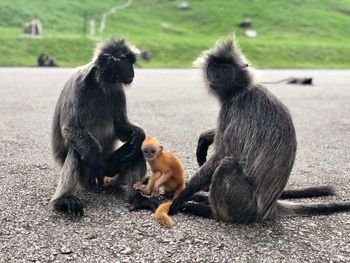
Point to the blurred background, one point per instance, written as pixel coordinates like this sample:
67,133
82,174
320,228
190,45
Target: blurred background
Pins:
171,33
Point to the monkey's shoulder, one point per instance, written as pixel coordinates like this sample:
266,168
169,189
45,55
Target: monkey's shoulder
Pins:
171,161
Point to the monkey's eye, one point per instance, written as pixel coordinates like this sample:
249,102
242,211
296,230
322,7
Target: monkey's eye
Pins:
211,67
145,151
153,151
225,69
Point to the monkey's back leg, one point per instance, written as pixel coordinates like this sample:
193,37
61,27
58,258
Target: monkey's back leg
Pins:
232,195
64,199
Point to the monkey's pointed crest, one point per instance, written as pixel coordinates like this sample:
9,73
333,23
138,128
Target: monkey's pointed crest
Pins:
115,48
225,49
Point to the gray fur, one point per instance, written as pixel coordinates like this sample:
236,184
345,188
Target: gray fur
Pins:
254,148
89,119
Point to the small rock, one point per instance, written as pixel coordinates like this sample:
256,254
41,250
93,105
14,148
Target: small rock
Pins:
146,224
90,236
126,251
65,250
251,33
183,6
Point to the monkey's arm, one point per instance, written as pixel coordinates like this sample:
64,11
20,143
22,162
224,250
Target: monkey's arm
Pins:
127,131
198,181
204,141
89,149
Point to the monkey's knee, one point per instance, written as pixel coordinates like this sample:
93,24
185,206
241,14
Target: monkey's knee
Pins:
229,163
69,204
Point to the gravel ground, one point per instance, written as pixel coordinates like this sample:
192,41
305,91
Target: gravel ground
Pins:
175,114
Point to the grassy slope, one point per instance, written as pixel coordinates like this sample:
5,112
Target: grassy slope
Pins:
293,33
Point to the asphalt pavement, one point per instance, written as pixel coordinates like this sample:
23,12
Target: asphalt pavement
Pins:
173,106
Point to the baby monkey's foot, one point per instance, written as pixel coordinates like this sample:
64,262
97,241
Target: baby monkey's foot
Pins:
138,186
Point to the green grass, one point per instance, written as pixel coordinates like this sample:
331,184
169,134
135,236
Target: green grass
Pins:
293,33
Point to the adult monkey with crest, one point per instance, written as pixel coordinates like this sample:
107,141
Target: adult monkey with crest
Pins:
90,117
254,149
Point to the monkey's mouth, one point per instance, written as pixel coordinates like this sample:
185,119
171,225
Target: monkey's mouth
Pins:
128,81
215,85
149,158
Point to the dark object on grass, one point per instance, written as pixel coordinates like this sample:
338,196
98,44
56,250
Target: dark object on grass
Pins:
33,28
247,23
45,60
42,60
51,62
145,55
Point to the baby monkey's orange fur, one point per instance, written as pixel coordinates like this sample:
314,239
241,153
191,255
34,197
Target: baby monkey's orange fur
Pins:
168,173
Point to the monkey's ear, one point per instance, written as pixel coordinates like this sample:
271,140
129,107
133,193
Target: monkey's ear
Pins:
161,148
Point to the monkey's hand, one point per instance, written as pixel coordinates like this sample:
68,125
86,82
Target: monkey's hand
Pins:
178,202
204,141
155,192
94,161
201,153
137,137
141,188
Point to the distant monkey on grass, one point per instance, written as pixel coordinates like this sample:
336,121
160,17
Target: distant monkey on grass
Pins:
168,173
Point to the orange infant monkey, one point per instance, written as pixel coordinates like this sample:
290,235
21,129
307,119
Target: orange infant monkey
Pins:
168,173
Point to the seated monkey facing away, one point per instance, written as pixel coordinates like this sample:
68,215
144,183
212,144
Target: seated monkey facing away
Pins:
168,173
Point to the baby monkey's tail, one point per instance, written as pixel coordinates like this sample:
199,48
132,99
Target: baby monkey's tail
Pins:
162,217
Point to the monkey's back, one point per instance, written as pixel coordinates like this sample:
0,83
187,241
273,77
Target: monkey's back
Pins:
256,129
75,104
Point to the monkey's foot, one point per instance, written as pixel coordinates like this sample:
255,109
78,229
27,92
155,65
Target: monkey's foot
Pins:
138,186
69,204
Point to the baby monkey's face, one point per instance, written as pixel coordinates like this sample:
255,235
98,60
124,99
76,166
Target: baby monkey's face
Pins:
150,152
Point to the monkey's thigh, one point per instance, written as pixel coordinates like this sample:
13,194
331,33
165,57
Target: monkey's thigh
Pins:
171,186
231,194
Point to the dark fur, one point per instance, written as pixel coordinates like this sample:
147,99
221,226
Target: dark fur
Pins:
254,148
90,118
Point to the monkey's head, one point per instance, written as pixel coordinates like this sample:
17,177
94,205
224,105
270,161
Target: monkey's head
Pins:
225,68
151,148
114,60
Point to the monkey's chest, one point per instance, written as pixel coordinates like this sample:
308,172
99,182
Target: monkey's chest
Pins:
102,131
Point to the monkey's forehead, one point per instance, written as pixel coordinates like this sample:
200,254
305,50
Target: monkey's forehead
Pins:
151,144
116,48
220,59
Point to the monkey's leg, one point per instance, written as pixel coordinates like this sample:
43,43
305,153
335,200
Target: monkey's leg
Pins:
201,210
64,199
200,198
134,171
201,179
204,141
232,194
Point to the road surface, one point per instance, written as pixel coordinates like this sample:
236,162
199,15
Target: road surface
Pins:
173,106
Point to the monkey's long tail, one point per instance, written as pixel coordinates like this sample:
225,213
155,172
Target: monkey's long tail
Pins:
161,215
308,192
286,208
